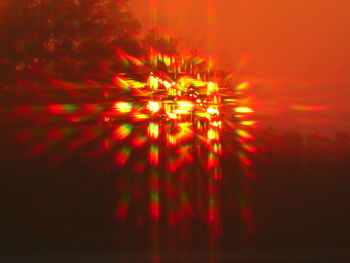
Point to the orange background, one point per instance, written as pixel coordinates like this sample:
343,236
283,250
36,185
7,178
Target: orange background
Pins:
296,52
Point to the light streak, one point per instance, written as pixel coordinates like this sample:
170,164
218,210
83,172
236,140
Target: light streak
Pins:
153,106
153,130
123,107
243,110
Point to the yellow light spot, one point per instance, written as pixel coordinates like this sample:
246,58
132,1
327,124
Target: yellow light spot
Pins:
212,110
243,110
123,107
153,106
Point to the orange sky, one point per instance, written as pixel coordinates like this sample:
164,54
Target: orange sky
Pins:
296,51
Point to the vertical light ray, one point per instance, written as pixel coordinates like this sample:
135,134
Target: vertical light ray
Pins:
210,24
154,12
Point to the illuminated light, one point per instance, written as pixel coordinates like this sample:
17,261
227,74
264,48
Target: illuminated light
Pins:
211,215
244,134
136,61
153,57
123,56
136,85
212,110
211,209
75,119
107,119
171,115
167,84
153,130
123,131
216,124
230,100
139,141
154,155
213,135
61,108
70,108
172,139
185,153
216,173
243,86
158,97
213,161
184,107
217,148
198,83
126,58
123,107
244,159
216,99
123,207
154,205
171,165
153,106
243,110
121,82
122,156
185,128
202,115
248,123
167,61
154,195
249,148
212,88
140,116
174,164
185,132
153,82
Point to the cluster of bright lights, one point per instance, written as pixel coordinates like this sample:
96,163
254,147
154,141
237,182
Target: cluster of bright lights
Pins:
182,88
186,105
181,93
187,112
153,106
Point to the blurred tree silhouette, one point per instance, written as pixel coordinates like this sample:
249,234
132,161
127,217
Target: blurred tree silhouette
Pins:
67,37
160,42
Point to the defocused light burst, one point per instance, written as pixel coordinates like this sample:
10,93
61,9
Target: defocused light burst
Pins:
187,105
174,121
